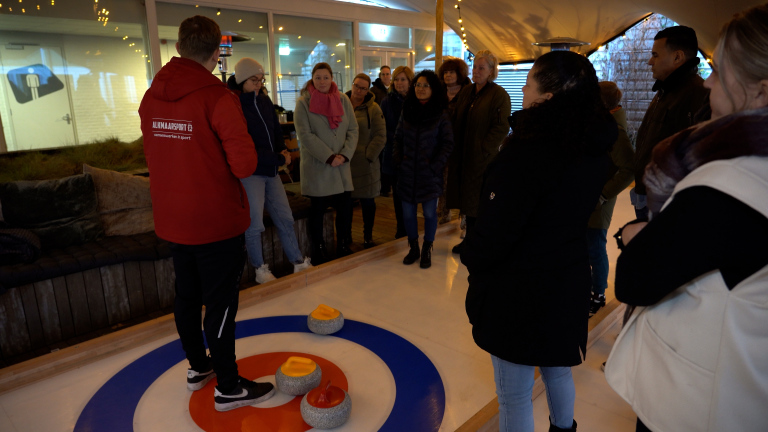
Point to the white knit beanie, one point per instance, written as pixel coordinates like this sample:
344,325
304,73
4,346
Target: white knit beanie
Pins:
246,68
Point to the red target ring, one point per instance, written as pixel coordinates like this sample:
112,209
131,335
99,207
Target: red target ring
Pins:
283,418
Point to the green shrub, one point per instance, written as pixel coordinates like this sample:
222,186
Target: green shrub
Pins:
50,164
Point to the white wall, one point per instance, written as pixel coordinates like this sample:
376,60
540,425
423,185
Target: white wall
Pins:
106,80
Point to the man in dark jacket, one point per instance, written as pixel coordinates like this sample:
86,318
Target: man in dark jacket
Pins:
680,102
381,85
197,147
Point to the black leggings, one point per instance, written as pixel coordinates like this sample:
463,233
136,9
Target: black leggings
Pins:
368,205
342,203
400,230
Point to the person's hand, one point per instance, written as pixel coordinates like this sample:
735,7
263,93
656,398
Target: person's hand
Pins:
338,161
630,231
287,156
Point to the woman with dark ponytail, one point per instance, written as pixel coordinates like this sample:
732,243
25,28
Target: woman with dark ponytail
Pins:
423,142
529,273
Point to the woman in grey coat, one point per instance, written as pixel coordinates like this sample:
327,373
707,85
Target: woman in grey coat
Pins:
327,132
366,170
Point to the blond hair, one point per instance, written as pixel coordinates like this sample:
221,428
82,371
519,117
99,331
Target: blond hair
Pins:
398,70
743,45
493,62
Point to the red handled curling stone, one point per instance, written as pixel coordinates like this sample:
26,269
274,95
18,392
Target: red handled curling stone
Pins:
326,407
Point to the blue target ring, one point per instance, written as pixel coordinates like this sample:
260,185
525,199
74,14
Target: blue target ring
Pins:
419,399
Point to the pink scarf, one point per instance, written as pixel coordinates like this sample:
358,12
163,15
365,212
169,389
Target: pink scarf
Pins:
327,104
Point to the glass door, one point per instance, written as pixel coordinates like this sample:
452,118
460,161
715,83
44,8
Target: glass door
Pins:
37,95
374,59
398,59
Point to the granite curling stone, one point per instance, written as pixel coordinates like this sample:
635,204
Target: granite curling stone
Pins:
297,376
326,407
325,320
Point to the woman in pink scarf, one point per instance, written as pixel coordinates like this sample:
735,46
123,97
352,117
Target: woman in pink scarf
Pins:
327,131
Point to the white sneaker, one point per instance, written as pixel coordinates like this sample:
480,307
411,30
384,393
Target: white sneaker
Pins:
263,275
302,265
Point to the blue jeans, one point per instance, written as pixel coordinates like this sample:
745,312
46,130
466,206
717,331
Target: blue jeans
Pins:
640,203
269,191
598,259
514,387
429,209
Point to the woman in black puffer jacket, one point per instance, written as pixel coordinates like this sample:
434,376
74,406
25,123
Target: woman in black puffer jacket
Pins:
423,142
392,108
529,274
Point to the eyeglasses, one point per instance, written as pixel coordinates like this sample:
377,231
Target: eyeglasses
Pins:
255,80
360,88
422,85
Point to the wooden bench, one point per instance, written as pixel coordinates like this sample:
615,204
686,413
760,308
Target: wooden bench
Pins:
65,306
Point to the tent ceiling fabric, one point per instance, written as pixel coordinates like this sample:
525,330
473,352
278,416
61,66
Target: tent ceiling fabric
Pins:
508,28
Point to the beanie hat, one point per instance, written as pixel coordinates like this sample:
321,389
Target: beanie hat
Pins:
246,68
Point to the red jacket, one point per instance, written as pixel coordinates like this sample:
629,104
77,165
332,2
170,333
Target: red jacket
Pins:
197,147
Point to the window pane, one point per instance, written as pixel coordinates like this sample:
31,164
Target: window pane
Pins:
425,46
424,41
304,42
71,74
379,35
249,24
372,64
452,45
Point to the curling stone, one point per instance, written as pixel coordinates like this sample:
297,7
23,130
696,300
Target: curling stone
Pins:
297,376
325,320
326,407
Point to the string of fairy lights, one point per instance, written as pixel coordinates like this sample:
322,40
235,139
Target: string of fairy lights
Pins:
102,14
457,6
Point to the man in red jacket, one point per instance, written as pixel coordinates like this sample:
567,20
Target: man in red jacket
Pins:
198,147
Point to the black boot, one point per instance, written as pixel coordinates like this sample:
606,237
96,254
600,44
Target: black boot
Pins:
368,243
553,428
414,253
342,249
319,254
426,255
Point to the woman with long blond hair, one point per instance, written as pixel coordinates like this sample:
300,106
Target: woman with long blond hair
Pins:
692,356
